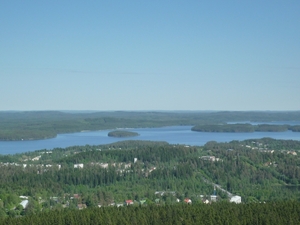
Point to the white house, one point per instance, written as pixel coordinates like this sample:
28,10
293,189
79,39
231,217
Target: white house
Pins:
36,158
24,203
236,199
23,197
213,198
80,165
206,201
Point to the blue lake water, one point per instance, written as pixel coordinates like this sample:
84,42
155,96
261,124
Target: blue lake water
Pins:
172,135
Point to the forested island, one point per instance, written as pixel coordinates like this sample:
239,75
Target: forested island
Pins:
122,133
33,125
142,176
239,128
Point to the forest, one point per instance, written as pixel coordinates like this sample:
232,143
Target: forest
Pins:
279,213
32,125
151,174
246,127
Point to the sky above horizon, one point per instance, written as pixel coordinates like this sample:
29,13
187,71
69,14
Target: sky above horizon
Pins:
149,55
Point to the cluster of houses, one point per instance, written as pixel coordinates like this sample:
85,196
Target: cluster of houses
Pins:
205,199
210,158
274,164
36,158
263,148
291,152
30,165
12,164
258,146
122,167
106,165
81,205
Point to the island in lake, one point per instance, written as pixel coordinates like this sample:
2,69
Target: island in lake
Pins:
122,133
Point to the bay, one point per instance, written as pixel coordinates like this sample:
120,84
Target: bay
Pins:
173,135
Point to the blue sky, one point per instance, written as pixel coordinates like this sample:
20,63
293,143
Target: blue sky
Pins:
149,55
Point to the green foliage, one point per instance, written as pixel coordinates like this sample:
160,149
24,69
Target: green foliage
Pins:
280,213
258,170
224,128
238,128
295,128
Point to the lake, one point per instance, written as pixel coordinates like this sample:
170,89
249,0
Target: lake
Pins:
172,135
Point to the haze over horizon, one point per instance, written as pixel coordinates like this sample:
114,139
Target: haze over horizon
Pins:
152,55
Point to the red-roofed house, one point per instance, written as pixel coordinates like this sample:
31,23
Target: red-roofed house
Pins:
188,201
129,202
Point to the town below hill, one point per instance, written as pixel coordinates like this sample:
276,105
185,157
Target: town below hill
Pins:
144,173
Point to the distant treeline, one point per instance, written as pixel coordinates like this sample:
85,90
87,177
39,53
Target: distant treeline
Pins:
238,128
47,124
